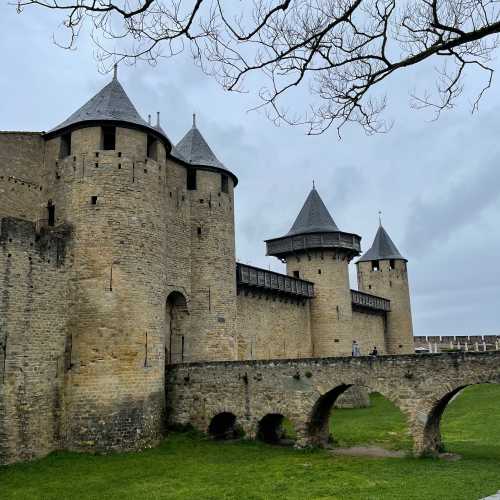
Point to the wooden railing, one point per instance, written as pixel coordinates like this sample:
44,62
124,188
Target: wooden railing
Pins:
365,300
255,277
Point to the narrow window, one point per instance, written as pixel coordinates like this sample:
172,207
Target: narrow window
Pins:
319,271
375,265
65,147
93,200
152,147
224,183
108,138
191,179
51,211
296,274
392,264
199,231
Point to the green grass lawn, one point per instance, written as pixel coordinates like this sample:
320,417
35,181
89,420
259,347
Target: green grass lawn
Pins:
188,466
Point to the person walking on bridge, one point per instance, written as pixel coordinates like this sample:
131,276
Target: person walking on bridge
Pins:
355,349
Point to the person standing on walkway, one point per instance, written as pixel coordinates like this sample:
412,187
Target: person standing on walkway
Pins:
355,349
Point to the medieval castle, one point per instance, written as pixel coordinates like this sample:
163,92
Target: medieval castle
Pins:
117,259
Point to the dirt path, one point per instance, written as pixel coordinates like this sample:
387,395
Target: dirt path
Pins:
377,452
368,451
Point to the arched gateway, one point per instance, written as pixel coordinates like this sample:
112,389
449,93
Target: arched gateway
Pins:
305,389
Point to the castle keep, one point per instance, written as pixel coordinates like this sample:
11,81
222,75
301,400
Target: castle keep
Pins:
117,259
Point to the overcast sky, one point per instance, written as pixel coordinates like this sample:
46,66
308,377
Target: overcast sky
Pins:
436,183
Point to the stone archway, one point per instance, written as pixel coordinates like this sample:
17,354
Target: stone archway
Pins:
428,439
177,327
224,426
319,422
270,428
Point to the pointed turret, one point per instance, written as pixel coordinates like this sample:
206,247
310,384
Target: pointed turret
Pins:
382,271
194,150
314,217
314,227
383,248
315,249
112,105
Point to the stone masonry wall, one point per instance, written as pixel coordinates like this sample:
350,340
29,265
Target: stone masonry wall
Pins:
126,210
33,341
331,310
213,270
369,331
393,285
304,390
22,179
271,327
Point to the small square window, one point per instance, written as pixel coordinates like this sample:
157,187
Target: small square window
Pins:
319,271
199,231
375,265
93,200
296,274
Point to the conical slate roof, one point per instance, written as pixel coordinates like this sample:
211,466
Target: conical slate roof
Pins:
109,104
195,150
313,217
383,248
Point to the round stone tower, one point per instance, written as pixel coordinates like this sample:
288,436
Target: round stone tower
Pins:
382,271
316,250
210,188
109,183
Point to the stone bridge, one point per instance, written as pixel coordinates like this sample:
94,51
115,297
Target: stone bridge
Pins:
257,395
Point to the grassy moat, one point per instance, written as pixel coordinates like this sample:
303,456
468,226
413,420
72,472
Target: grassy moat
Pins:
188,466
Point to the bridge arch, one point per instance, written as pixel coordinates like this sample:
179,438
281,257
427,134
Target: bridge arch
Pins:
223,426
275,428
318,426
429,441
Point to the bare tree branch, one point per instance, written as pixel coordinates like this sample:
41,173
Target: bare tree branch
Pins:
340,50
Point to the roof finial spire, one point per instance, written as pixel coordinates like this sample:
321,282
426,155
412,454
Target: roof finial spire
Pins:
194,120
149,119
157,118
314,187
380,218
115,71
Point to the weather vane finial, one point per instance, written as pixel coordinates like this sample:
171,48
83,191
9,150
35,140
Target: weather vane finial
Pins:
115,71
380,217
194,119
313,185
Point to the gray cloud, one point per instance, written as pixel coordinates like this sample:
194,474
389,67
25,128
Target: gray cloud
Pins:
442,210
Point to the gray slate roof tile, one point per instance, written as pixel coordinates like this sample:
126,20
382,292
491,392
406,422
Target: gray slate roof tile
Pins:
383,248
314,217
110,104
194,149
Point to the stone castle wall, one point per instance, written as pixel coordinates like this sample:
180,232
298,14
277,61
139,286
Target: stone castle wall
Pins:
34,350
272,327
331,309
137,271
369,331
392,284
22,179
117,203
213,270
